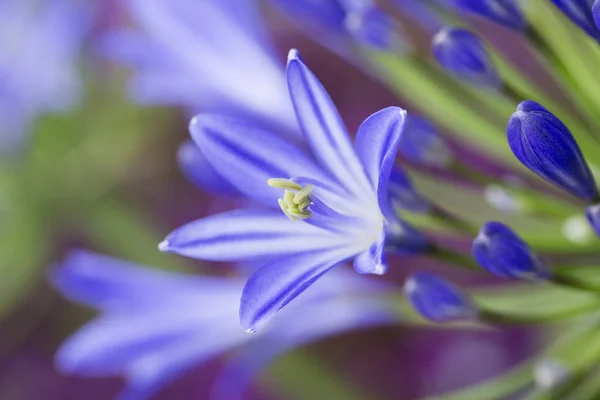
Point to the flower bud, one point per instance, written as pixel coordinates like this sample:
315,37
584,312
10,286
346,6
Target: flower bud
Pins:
437,299
545,145
596,13
580,12
501,252
402,195
462,54
503,12
372,27
420,143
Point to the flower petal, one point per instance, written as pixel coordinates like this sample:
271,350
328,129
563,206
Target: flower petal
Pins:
323,126
301,325
247,234
247,156
196,168
276,284
372,260
108,283
376,144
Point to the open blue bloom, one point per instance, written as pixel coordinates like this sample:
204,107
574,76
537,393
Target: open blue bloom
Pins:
155,325
503,12
421,144
499,250
437,299
580,12
546,146
463,54
51,31
333,199
210,55
596,13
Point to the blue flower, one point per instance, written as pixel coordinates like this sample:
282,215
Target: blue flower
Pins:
332,199
545,145
504,12
372,27
421,144
52,31
211,55
580,12
502,252
155,325
437,299
463,54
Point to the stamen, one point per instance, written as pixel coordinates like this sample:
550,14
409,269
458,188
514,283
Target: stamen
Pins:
296,199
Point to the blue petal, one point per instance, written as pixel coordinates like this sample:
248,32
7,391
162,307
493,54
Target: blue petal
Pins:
373,27
580,12
108,283
247,156
421,144
196,168
323,127
596,13
372,260
592,214
376,144
246,234
305,323
276,284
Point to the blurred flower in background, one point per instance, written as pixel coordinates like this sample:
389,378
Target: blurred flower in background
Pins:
41,44
480,136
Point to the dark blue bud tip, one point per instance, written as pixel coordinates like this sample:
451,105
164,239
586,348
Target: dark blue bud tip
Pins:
437,299
500,251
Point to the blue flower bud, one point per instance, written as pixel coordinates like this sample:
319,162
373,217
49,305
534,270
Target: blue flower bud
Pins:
580,12
593,216
328,14
596,13
463,54
402,195
437,299
502,252
545,145
504,12
374,28
420,143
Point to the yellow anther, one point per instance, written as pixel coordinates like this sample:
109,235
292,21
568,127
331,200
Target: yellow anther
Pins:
296,199
303,194
281,183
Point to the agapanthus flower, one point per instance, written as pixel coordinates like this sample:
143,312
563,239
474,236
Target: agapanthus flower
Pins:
333,198
210,55
35,33
422,144
153,326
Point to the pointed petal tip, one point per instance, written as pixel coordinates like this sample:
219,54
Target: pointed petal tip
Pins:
164,246
294,55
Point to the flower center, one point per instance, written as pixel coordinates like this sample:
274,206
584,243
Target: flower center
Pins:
295,200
